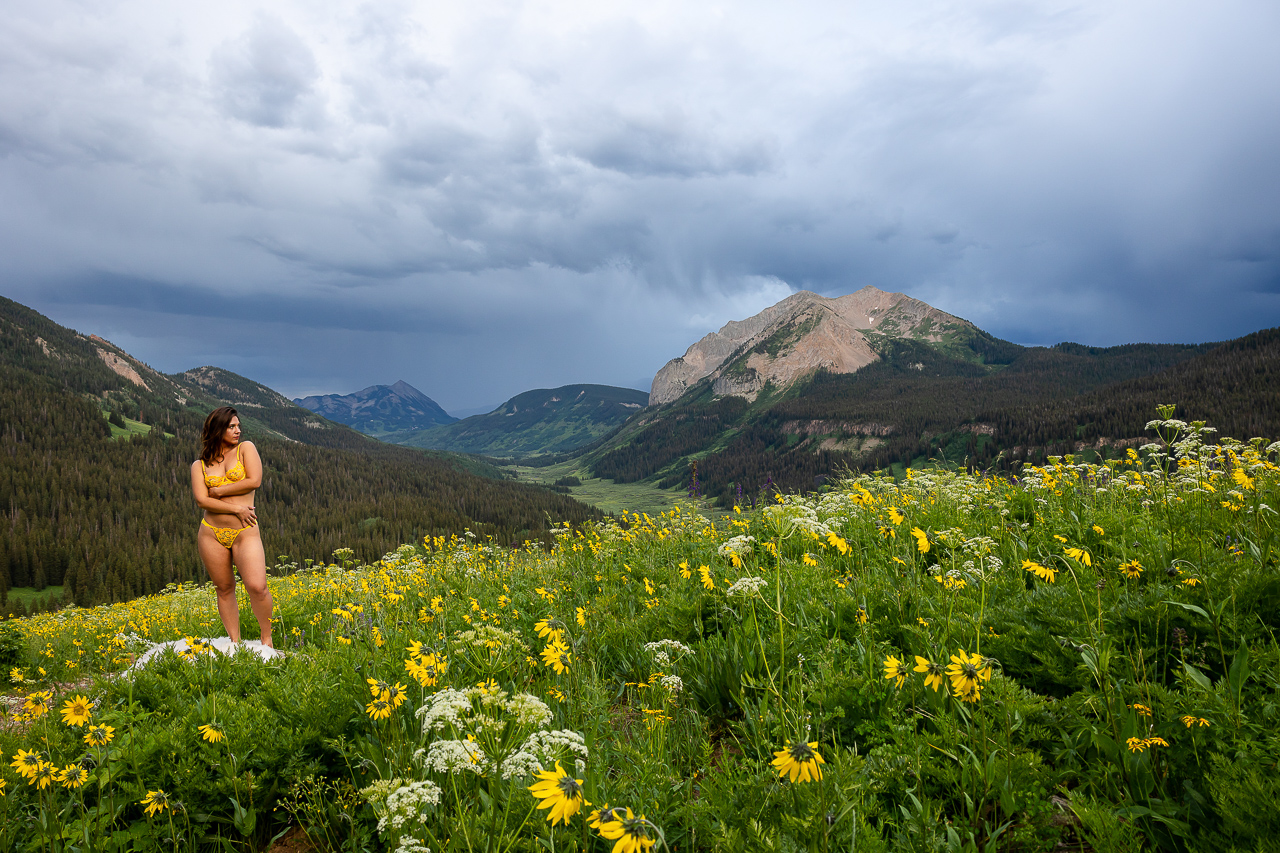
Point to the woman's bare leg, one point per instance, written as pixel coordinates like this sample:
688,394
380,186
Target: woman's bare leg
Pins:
217,562
251,561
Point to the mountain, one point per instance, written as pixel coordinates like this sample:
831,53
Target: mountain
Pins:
805,333
813,386
534,423
380,409
94,519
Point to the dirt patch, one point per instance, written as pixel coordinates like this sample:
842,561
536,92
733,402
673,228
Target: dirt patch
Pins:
293,841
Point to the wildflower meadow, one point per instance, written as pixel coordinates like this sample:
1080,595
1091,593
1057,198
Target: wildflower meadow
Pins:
1083,658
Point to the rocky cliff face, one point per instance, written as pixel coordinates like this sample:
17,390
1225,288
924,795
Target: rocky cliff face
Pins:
801,334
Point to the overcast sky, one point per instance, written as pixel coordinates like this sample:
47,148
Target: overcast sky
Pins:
482,198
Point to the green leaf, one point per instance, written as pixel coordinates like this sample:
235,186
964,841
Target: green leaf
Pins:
1239,672
1197,676
1192,608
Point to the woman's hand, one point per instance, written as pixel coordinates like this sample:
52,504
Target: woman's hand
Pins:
248,517
215,491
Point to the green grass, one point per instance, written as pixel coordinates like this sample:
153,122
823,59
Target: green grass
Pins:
1082,660
131,428
26,594
601,493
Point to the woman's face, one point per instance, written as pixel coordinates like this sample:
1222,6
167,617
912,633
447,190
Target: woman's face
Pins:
231,435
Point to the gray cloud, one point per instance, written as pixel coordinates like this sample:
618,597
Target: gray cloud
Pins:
484,199
265,76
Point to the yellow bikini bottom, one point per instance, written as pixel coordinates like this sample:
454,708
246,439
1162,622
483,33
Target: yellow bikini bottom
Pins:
226,536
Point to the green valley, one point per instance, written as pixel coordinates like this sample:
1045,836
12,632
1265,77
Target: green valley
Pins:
534,423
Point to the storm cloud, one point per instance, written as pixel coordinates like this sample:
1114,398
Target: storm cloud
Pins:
486,198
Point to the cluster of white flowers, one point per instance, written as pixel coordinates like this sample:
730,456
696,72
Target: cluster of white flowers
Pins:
528,709
412,845
738,545
543,750
405,805
746,587
980,546
794,514
671,683
445,708
669,647
453,756
458,708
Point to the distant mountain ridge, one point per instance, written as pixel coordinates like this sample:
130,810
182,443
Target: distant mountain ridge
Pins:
533,423
380,409
814,386
802,334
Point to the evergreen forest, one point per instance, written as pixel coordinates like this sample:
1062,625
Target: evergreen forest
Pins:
106,513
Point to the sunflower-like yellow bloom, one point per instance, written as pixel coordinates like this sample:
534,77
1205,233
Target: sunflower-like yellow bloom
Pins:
26,762
581,616
934,673
799,761
1043,572
73,776
705,572
378,688
967,672
605,814
630,833
426,669
1079,554
895,516
557,656
77,711
37,704
395,694
1131,570
154,801
549,628
212,732
99,735
895,670
45,775
378,709
922,540
559,792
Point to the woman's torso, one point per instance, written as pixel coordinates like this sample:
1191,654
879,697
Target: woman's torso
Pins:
230,470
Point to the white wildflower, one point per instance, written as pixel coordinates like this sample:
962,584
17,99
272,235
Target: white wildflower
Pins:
669,647
529,709
452,756
444,709
405,806
746,587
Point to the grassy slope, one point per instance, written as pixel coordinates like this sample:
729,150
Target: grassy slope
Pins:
1024,742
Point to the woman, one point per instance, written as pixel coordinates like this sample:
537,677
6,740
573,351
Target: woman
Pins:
223,481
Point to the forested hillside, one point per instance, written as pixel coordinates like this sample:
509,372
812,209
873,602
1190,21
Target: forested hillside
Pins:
113,519
534,423
919,403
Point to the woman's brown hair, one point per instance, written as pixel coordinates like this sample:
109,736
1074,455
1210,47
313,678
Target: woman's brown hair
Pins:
211,436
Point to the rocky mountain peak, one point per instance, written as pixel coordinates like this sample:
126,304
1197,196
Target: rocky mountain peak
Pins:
801,334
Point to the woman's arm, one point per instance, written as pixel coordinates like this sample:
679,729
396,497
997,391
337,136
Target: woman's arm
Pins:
252,474
210,503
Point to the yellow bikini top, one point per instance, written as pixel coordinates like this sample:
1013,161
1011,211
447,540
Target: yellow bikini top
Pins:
234,474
